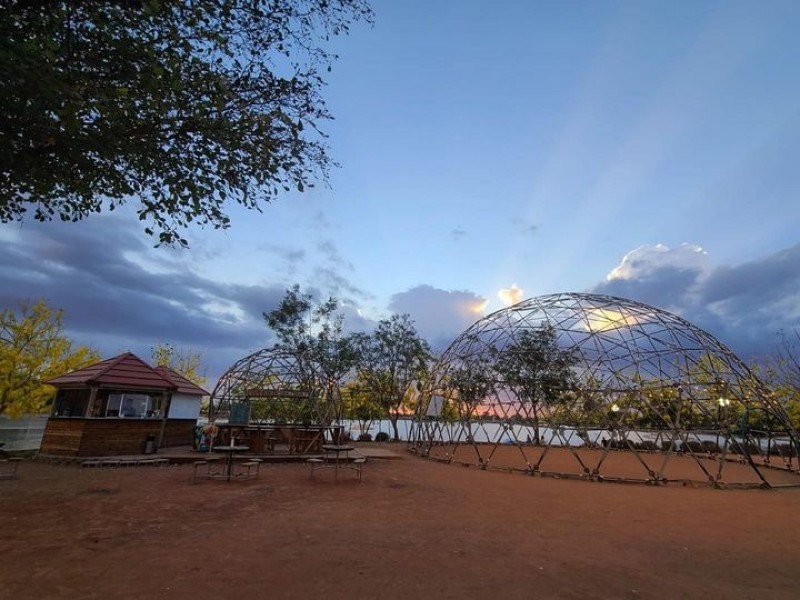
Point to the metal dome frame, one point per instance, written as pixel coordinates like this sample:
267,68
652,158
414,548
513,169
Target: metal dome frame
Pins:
272,384
654,399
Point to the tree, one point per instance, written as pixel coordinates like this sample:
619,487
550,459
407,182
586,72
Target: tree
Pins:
787,360
188,363
358,404
470,384
314,336
782,373
33,349
392,358
182,106
536,369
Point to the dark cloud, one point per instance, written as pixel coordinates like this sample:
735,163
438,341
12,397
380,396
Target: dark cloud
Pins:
339,285
292,258
767,281
440,315
330,252
744,306
668,287
115,299
119,294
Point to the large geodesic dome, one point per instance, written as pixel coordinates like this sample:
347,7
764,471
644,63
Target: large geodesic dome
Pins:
641,395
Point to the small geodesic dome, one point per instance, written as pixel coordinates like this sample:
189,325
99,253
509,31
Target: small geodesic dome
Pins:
271,385
648,397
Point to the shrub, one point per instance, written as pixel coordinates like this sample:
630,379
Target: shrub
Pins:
382,436
365,437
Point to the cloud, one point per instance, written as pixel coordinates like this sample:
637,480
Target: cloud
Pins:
457,233
510,296
330,252
648,259
354,321
291,257
758,298
118,294
743,306
320,221
659,275
440,315
338,285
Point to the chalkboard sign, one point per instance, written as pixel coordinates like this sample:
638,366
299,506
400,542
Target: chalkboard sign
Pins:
240,413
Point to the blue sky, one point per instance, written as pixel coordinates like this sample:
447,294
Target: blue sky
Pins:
640,149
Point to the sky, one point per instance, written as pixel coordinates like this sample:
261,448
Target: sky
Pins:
489,152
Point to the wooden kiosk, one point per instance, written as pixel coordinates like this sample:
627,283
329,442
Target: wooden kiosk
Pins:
120,406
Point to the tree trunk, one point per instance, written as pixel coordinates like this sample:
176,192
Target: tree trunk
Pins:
393,421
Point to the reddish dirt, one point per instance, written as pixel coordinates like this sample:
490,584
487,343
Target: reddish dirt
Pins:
411,529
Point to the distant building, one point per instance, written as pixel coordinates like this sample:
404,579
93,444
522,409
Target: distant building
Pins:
115,406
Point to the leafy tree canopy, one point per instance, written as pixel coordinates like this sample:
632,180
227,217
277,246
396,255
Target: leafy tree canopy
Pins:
473,381
535,367
182,106
786,363
393,357
359,405
313,333
188,363
34,349
782,374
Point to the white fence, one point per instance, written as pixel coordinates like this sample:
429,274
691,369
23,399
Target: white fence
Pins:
22,434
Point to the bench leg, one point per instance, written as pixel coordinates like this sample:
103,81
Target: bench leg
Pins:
358,464
197,465
314,464
252,470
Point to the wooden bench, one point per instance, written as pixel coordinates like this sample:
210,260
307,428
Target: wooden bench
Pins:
198,464
252,468
357,465
152,462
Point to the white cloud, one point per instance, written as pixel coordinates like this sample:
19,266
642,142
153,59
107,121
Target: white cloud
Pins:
511,295
648,259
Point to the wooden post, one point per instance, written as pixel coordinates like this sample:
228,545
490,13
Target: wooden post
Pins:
54,404
166,401
92,400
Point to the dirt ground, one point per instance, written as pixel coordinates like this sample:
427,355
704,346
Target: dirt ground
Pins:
411,529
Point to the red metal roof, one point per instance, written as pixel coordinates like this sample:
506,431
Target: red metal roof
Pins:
126,371
184,385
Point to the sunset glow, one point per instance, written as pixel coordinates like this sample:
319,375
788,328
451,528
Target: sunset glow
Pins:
478,307
603,319
511,295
